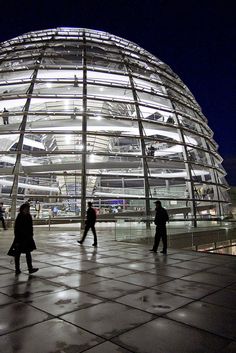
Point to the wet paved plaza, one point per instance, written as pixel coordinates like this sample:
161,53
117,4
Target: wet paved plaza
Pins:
116,298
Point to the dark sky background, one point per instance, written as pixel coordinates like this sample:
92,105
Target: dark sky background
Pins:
196,38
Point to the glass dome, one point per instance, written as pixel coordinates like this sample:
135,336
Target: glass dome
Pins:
89,116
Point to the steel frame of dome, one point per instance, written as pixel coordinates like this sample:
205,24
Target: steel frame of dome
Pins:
92,116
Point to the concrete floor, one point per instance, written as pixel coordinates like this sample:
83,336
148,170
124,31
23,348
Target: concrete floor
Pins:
117,298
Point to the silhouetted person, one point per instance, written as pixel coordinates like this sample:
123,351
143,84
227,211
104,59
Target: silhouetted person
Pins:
73,116
170,120
37,208
5,116
2,212
90,223
54,211
23,241
161,218
76,81
151,151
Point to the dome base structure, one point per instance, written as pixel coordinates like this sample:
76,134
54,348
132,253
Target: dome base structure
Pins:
89,116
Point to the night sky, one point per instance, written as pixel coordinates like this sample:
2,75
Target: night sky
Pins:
196,38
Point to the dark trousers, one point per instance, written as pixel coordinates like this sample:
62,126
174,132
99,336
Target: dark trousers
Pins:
28,260
160,234
3,223
86,229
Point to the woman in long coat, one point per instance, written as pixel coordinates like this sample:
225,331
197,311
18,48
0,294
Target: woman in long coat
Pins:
23,241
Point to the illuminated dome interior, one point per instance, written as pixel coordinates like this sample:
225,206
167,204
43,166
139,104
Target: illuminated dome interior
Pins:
94,117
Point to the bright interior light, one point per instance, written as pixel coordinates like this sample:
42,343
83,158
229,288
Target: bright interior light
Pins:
68,138
92,158
66,103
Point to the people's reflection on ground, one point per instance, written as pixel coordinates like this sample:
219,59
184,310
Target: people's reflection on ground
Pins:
159,261
87,254
93,256
18,315
17,290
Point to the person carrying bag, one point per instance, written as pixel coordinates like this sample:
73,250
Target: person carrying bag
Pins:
23,241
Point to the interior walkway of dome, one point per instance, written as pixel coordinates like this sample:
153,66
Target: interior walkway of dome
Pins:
118,297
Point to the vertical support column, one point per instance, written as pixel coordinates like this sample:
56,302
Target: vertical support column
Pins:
123,192
143,146
189,172
219,205
99,188
17,167
211,162
84,136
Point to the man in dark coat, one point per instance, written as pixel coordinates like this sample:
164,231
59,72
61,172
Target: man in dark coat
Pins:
161,218
90,223
23,241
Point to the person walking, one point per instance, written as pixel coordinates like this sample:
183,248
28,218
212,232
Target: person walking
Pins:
161,218
5,116
2,216
23,241
90,223
37,208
